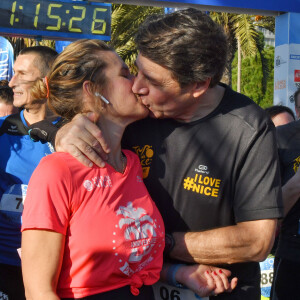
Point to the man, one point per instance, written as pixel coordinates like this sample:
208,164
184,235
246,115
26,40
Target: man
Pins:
287,261
280,114
208,154
6,99
19,156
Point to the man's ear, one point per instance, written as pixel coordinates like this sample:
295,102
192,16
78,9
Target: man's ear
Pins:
201,87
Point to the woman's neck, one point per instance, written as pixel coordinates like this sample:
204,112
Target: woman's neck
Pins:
112,133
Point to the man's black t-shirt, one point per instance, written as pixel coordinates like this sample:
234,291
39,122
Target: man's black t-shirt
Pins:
214,172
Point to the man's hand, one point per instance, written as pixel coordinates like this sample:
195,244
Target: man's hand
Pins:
83,140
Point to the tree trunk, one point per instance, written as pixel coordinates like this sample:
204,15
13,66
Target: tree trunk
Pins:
238,88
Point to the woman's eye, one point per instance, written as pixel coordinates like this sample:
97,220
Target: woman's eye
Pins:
126,75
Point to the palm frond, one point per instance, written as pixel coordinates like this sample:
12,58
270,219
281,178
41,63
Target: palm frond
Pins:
245,31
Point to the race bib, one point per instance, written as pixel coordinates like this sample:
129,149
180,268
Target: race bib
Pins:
11,204
3,296
163,291
267,273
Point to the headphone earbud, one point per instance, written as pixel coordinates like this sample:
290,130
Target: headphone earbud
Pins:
102,98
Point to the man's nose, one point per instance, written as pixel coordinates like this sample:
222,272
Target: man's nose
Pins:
139,87
12,81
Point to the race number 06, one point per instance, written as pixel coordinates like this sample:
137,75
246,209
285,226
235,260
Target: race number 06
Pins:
165,295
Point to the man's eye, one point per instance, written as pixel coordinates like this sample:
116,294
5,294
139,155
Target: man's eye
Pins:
154,83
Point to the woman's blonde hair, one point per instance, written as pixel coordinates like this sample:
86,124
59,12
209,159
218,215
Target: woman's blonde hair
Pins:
80,61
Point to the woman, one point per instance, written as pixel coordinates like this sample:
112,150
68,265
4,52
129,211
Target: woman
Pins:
91,233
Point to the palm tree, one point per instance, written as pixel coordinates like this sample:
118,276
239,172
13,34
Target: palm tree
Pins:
241,34
244,38
245,34
19,43
125,22
267,22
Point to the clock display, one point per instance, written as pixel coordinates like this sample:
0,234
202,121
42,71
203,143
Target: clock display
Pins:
55,19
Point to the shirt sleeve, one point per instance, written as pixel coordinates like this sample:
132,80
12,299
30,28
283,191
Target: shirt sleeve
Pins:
47,202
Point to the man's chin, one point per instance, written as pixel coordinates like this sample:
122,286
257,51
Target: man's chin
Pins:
151,115
18,103
155,116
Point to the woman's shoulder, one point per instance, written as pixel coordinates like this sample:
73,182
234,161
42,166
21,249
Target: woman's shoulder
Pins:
59,162
57,157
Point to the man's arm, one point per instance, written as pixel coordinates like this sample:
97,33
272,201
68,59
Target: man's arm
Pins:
82,138
244,242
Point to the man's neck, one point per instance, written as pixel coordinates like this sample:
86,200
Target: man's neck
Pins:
36,114
204,105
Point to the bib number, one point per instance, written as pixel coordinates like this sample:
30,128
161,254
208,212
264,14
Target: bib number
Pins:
163,291
267,273
11,203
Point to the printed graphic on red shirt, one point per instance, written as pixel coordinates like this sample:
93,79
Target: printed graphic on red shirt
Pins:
97,182
140,229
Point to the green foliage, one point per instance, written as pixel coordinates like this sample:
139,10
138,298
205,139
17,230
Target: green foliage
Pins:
245,31
125,22
267,22
257,79
19,43
239,29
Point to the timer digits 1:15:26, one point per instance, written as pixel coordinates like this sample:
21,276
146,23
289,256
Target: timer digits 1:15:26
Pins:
55,19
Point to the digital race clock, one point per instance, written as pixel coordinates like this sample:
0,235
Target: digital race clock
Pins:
65,20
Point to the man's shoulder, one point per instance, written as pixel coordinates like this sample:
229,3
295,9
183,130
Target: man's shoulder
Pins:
240,102
12,117
12,125
242,108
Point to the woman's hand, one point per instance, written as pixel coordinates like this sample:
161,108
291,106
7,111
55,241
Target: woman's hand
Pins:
83,140
205,280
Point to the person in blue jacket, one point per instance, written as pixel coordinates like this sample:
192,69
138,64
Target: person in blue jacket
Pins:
19,156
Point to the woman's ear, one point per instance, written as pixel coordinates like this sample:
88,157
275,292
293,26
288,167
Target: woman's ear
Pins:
86,87
88,97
